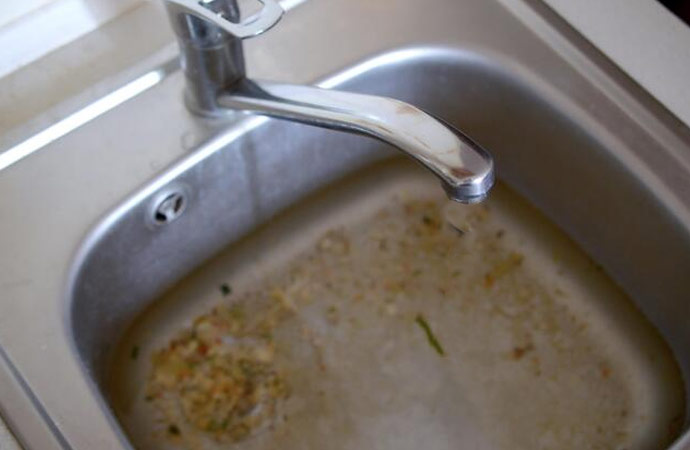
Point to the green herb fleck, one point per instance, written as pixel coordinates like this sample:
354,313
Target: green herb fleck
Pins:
421,321
173,429
225,289
459,230
134,354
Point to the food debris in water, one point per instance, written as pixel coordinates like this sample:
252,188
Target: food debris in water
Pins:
219,376
224,378
430,337
519,352
225,289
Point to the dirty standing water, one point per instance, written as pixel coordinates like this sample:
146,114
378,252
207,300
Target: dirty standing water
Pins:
381,316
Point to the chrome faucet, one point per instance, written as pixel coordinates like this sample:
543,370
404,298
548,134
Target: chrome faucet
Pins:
210,36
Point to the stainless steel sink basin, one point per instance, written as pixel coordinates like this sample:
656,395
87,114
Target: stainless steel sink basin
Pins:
535,348
570,134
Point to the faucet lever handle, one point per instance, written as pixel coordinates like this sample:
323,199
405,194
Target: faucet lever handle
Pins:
265,19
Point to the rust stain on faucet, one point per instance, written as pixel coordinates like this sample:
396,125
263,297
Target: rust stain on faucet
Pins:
461,172
404,108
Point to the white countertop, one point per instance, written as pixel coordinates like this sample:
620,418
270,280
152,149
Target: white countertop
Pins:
7,441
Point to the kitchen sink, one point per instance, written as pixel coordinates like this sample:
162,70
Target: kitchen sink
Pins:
144,245
136,255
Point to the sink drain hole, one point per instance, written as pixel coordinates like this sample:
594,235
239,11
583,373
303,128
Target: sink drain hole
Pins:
169,209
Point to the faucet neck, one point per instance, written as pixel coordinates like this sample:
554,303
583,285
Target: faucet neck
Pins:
210,33
212,59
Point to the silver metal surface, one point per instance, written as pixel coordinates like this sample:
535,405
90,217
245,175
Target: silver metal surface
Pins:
223,14
568,131
464,168
210,37
213,60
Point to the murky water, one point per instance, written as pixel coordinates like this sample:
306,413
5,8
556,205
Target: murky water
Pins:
400,320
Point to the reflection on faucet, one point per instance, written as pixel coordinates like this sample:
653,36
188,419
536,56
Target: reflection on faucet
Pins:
213,61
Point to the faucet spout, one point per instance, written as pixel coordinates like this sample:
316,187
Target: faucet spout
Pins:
465,169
